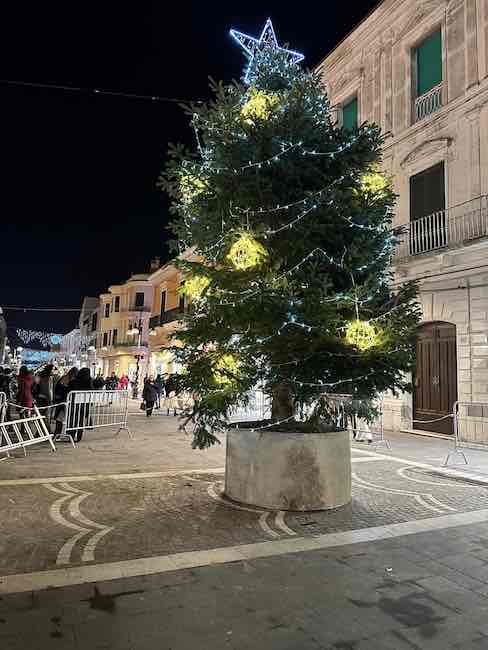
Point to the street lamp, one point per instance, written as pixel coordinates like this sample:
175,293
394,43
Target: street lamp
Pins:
137,331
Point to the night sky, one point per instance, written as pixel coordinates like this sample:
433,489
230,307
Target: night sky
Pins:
79,206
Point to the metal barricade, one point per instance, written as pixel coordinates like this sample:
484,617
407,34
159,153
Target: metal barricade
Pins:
23,433
3,406
470,428
371,432
95,409
258,408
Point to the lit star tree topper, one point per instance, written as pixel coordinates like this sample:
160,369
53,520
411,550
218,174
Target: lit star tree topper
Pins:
254,47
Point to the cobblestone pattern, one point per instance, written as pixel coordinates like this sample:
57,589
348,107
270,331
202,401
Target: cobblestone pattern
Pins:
160,516
378,499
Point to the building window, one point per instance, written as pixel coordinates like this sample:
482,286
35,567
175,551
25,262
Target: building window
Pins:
181,302
163,302
427,76
114,337
107,310
117,303
139,300
105,339
428,229
94,322
350,114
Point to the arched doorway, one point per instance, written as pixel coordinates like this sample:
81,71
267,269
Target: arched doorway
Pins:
435,379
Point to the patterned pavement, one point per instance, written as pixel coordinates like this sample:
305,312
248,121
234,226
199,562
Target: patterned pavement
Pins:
55,524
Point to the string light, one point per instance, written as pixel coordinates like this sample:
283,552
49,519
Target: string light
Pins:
99,91
267,41
45,338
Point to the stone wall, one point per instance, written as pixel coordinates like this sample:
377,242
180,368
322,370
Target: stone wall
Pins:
375,62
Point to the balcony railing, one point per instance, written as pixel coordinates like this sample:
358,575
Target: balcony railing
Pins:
428,103
169,316
444,229
143,310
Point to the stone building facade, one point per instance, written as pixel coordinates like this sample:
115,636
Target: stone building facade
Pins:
169,306
123,325
419,69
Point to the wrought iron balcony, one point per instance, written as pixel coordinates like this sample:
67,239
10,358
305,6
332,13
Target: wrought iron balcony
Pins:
130,344
133,308
169,316
452,228
428,103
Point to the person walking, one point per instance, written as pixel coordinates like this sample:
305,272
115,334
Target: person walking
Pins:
81,413
149,395
6,387
44,393
99,382
171,395
24,391
111,382
123,382
159,385
61,391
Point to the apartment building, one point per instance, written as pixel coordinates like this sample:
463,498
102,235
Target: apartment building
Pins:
123,326
169,305
88,324
419,69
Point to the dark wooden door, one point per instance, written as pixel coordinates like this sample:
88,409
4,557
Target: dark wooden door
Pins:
435,378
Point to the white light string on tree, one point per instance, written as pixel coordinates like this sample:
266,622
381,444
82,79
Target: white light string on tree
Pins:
250,293
277,157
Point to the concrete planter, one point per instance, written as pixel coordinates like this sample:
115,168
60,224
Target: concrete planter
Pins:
288,471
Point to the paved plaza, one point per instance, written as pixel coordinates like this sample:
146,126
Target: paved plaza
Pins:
129,543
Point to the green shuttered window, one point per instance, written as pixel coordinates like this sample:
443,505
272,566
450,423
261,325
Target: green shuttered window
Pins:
350,114
429,63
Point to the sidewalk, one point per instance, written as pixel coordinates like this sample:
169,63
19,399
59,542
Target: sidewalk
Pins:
434,451
145,553
156,446
425,591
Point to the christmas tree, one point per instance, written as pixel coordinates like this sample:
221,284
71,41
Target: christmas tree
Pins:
291,219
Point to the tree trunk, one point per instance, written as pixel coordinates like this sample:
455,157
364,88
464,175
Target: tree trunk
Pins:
283,407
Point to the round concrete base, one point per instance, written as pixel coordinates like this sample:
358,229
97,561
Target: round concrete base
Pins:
288,471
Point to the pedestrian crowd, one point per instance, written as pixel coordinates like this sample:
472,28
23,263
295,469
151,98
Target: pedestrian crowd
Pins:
48,389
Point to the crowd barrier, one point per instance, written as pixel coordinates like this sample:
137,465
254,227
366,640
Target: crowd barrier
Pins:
94,409
23,433
470,428
3,406
371,432
258,408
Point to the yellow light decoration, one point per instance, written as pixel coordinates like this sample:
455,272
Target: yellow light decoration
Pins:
191,187
246,253
195,285
226,369
259,106
362,334
374,182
